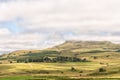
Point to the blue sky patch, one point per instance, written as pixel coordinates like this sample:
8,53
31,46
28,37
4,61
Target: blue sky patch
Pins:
12,25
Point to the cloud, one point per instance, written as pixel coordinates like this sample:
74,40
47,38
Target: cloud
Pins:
37,24
4,32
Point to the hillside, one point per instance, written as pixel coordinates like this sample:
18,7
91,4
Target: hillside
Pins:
74,59
71,49
68,45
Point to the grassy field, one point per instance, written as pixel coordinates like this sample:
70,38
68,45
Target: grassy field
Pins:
52,78
103,64
63,71
82,70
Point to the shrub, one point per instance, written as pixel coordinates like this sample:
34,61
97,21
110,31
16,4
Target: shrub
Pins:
95,57
73,69
102,70
62,72
81,72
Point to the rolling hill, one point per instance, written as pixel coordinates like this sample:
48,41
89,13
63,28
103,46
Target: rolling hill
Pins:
71,49
74,59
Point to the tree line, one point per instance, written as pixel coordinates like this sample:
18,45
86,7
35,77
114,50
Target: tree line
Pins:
48,59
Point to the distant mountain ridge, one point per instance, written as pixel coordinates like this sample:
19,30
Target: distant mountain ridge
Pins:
88,44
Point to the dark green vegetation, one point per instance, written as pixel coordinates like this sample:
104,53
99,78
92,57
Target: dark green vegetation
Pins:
50,60
73,59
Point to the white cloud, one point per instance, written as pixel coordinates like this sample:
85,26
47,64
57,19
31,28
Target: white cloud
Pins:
4,32
49,22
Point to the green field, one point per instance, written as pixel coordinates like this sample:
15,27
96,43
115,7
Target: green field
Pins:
52,78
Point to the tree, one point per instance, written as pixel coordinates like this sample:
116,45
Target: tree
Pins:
84,60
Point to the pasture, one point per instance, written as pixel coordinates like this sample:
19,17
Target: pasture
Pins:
60,70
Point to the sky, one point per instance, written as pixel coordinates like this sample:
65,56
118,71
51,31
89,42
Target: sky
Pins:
39,24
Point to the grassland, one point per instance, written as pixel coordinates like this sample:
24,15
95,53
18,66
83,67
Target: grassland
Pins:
83,70
51,78
105,55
